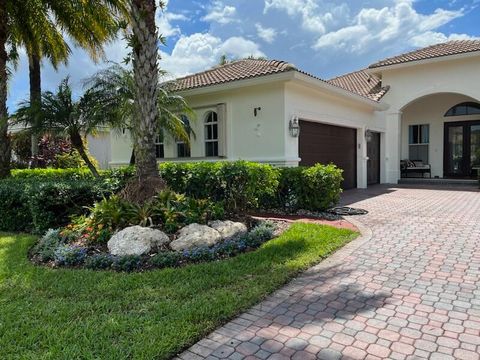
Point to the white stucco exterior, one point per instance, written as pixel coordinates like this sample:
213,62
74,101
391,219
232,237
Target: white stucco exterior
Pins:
420,93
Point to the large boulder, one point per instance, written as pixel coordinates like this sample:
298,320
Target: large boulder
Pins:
229,229
195,235
137,240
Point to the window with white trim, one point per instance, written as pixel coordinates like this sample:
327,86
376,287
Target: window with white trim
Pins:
211,134
159,148
183,149
418,142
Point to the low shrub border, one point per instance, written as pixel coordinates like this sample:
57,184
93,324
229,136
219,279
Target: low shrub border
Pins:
54,249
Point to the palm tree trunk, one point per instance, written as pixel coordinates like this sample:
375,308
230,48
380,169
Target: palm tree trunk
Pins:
35,95
145,67
77,143
5,150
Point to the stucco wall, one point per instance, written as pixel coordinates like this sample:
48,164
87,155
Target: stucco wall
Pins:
248,137
314,105
431,110
410,102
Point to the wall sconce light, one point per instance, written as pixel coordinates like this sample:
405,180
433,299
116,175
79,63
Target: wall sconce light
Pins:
256,110
368,135
294,127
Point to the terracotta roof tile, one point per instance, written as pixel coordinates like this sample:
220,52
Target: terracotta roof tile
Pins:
362,83
439,50
237,70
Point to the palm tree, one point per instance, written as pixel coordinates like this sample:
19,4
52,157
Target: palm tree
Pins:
38,25
60,114
114,92
89,26
144,42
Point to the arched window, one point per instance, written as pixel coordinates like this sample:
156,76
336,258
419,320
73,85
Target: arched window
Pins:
183,149
466,108
211,134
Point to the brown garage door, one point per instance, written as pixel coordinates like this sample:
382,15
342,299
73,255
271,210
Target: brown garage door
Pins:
321,143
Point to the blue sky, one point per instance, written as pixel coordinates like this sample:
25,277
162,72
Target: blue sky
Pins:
323,37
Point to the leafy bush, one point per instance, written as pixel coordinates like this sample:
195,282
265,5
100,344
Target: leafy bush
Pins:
52,174
70,255
259,234
127,263
99,262
29,205
239,185
14,208
47,245
165,259
313,188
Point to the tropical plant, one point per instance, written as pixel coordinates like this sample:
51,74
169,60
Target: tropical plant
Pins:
60,114
114,91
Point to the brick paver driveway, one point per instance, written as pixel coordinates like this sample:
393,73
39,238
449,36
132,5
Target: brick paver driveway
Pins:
409,288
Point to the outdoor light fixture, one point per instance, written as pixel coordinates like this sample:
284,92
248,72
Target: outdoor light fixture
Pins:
294,127
368,135
256,110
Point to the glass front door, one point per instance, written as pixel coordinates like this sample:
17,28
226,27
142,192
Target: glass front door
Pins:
462,149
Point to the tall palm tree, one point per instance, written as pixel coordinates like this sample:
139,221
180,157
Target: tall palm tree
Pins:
36,24
60,114
114,92
145,55
89,26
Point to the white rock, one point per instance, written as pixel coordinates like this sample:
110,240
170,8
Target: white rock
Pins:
229,229
195,235
136,240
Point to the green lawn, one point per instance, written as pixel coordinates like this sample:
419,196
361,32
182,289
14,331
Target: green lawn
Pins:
81,314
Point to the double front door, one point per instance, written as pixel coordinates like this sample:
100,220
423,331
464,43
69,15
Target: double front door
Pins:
462,149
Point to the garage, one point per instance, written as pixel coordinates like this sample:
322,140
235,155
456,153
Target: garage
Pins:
324,144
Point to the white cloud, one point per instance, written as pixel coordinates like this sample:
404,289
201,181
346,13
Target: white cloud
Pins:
266,34
399,24
315,16
201,51
431,38
220,13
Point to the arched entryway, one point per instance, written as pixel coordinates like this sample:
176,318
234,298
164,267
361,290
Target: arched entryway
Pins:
443,131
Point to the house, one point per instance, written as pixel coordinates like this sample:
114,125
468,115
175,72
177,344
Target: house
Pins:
422,105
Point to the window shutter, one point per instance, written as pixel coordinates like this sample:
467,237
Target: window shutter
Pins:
222,129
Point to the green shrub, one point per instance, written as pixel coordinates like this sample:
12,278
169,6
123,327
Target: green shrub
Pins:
259,234
239,185
313,188
70,255
52,174
14,207
127,263
54,203
99,261
47,245
165,259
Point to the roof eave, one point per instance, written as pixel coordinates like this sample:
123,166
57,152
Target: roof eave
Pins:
237,84
377,70
336,90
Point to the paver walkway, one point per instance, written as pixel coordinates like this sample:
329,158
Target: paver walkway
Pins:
408,289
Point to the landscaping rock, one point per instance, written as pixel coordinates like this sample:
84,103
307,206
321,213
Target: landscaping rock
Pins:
229,229
195,235
137,240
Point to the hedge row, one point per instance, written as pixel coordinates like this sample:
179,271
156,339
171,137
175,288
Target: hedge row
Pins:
36,200
32,205
245,185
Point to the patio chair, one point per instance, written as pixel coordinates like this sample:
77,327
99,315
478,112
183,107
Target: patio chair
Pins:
415,167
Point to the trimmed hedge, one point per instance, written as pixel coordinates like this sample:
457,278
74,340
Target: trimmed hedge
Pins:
35,206
313,188
240,185
36,200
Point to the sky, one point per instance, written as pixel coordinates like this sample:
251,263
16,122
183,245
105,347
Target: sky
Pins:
326,38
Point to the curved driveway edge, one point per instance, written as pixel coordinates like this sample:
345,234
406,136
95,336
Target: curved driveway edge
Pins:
408,288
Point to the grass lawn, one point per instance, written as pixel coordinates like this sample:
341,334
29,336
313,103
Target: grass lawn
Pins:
82,314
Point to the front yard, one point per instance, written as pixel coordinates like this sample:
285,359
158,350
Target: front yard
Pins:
57,313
